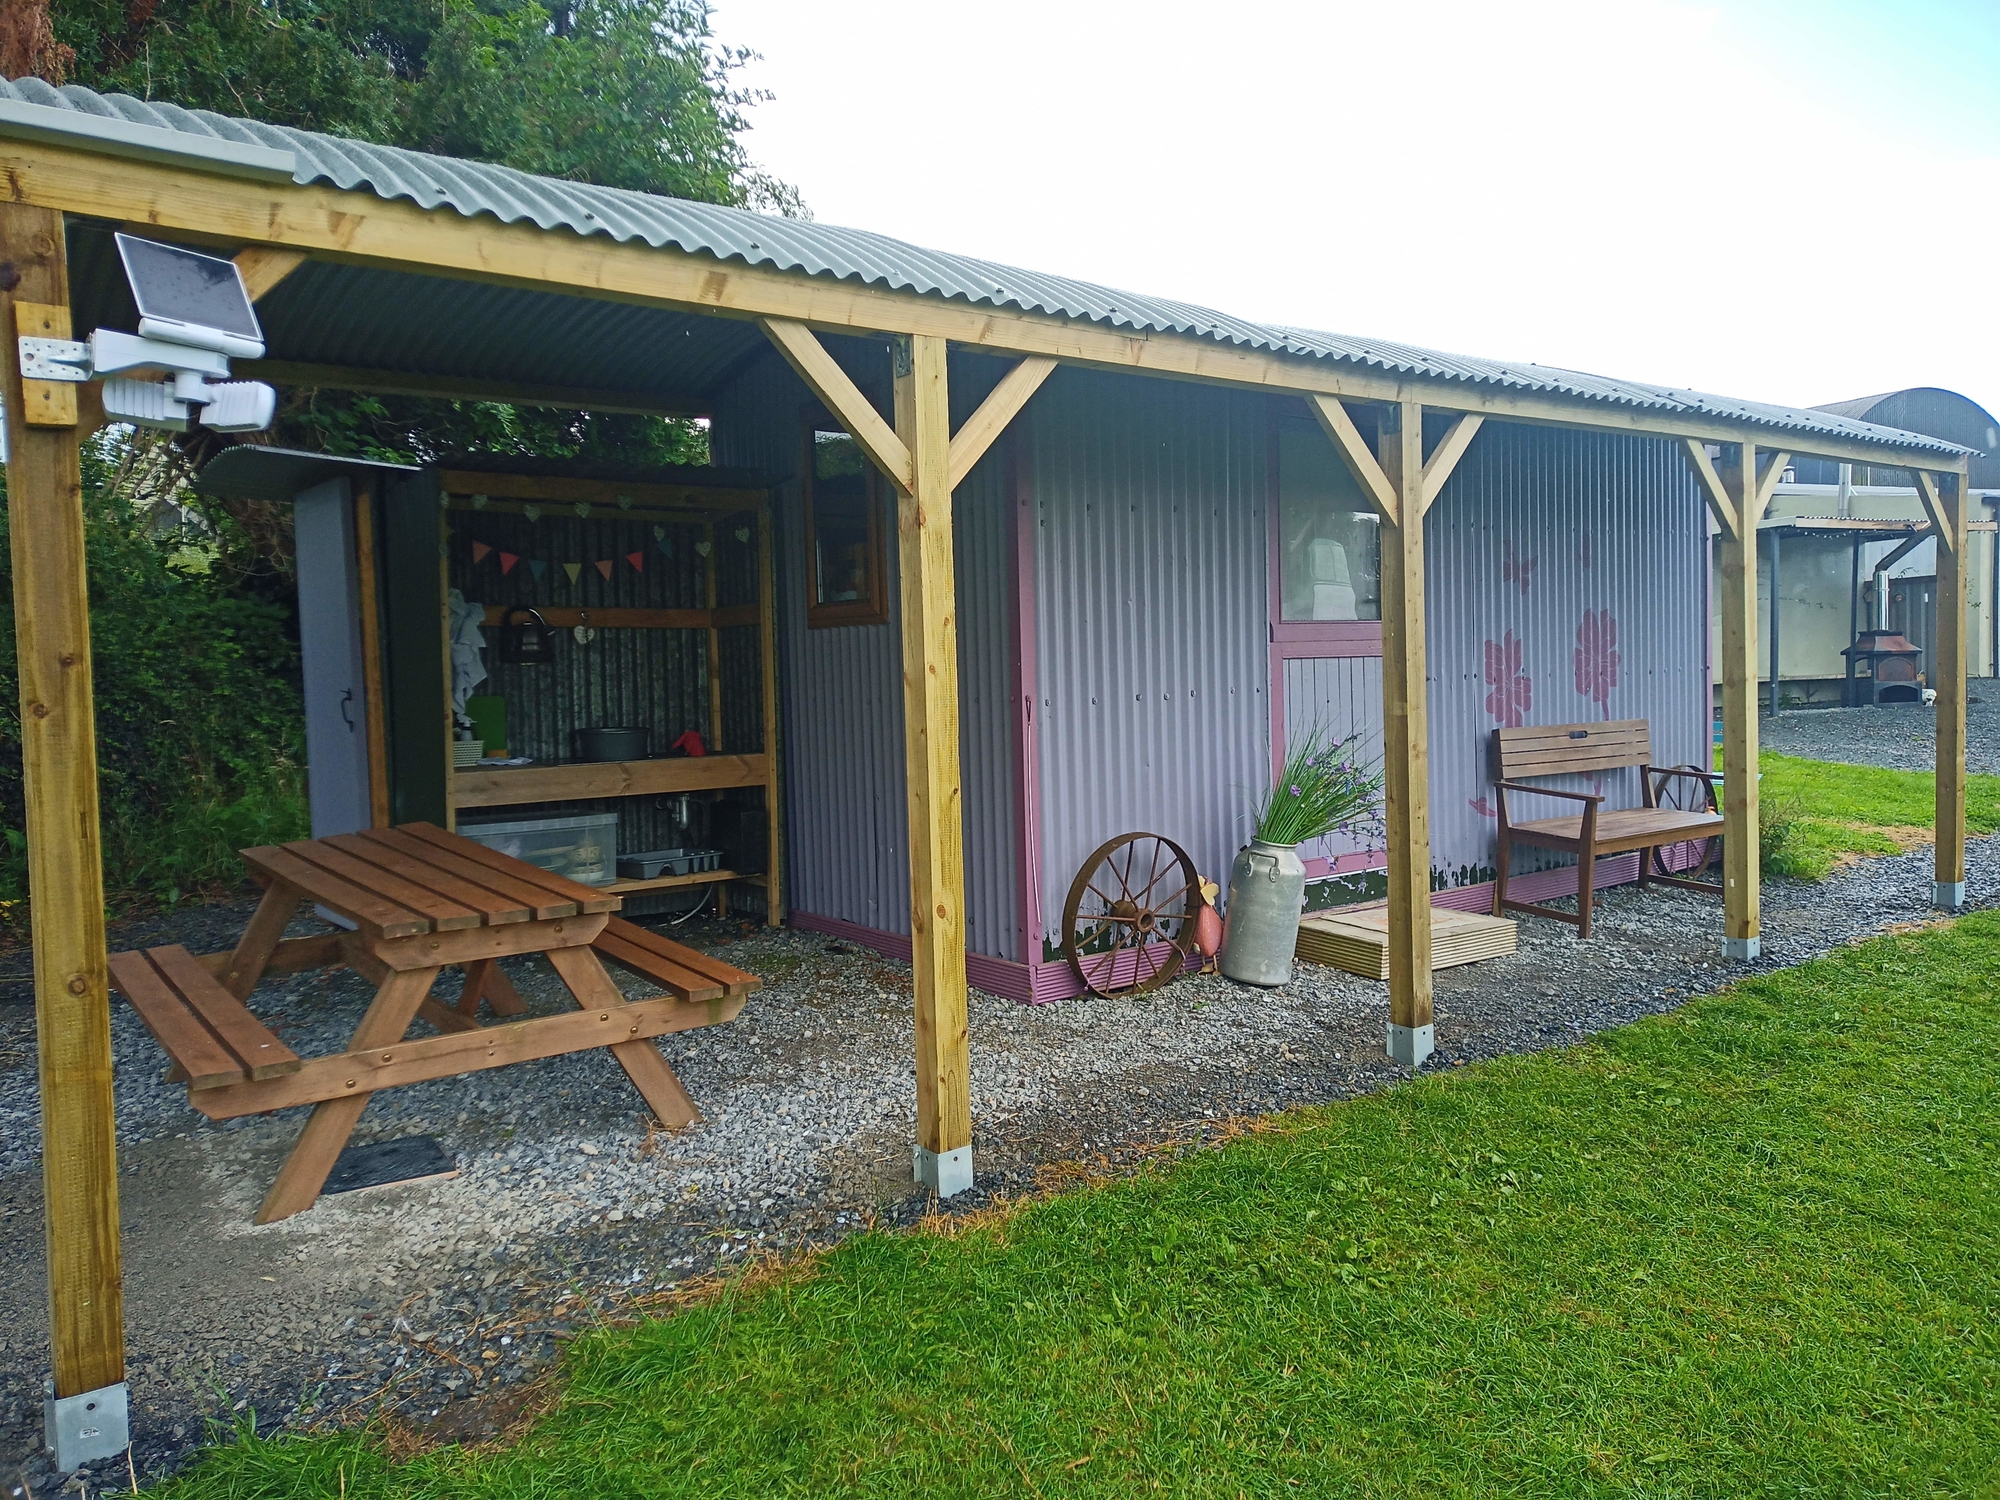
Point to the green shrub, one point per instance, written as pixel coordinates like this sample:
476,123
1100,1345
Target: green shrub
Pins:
199,731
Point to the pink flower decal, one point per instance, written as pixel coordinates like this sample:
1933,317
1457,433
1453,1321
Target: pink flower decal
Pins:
1515,569
1596,657
1481,806
1513,691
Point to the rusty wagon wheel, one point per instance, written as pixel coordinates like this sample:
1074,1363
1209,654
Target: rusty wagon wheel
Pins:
1688,860
1128,925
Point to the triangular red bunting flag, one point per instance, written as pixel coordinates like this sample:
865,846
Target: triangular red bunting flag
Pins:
479,551
637,560
507,561
604,566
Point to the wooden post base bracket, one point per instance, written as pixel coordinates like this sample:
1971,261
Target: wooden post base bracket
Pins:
1742,950
1948,895
85,1428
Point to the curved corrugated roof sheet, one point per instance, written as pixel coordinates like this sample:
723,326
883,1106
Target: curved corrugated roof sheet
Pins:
732,234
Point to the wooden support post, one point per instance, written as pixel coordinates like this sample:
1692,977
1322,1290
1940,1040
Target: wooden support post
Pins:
767,629
1737,493
710,586
65,870
930,739
1406,736
1948,497
375,701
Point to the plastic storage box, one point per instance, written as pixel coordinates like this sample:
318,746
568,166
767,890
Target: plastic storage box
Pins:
583,848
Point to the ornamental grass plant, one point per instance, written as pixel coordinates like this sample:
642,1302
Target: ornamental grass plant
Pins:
1324,788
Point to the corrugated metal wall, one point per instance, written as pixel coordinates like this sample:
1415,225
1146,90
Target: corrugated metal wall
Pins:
1342,694
1152,633
841,689
1565,585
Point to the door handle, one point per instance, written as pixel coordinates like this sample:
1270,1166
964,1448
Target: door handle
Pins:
346,698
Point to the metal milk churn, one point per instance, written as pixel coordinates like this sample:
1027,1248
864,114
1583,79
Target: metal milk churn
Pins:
1267,892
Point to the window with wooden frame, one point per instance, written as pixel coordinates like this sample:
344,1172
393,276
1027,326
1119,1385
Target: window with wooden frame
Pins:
847,566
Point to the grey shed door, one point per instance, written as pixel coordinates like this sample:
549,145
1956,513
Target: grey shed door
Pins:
330,658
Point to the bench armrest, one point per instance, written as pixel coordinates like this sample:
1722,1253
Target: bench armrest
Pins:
1544,791
1713,778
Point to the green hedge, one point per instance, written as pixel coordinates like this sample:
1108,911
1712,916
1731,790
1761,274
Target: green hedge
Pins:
199,729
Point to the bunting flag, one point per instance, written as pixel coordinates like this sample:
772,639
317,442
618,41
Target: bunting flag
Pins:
573,569
507,561
538,566
604,567
637,560
532,512
479,551
659,533
702,548
624,502
743,533
666,546
479,502
582,508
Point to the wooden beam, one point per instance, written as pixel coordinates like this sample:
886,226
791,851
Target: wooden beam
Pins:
930,750
1444,458
1950,493
264,266
825,379
1934,507
567,491
462,388
375,700
65,857
1353,451
1713,490
767,652
358,228
511,786
1406,738
1002,404
1769,472
1738,603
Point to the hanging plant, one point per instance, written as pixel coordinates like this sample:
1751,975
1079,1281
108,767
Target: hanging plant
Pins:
1323,788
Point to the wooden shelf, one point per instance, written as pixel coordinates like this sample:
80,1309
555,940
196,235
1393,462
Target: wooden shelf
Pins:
510,786
675,882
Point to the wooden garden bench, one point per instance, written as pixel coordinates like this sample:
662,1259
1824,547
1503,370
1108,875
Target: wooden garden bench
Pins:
1574,749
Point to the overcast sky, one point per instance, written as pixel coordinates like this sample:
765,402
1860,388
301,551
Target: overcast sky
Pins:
1789,200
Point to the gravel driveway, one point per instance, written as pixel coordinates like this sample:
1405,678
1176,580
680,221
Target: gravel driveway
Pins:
438,1302
1902,736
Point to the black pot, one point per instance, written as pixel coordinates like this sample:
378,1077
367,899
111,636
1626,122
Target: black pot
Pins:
608,744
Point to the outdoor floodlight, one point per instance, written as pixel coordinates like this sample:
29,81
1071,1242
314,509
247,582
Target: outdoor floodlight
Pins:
194,313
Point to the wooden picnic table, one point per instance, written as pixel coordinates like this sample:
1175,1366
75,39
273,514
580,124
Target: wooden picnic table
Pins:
420,900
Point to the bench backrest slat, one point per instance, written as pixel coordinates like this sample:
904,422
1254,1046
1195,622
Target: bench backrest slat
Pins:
1570,749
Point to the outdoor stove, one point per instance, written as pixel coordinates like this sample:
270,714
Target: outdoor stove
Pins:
1891,674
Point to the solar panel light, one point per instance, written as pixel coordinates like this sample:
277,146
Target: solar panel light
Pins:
194,314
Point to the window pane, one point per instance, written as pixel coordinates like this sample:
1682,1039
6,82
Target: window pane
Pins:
1329,541
840,521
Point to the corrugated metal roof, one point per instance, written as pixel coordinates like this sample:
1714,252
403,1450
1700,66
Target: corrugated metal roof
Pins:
473,188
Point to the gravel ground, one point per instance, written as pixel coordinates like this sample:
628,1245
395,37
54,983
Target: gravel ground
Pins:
438,1302
1902,736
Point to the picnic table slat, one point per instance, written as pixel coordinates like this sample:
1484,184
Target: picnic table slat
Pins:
259,1053
374,914
493,907
733,980
587,898
684,983
441,911
541,904
177,1029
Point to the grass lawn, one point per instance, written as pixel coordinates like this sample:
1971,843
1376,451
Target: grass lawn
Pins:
1751,1248
1815,811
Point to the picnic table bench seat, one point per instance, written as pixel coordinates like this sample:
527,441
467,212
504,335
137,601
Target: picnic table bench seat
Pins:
208,1032
680,970
1523,754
